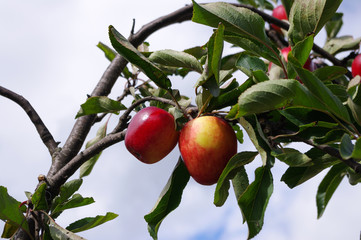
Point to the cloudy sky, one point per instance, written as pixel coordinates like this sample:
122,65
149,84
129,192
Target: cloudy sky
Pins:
48,54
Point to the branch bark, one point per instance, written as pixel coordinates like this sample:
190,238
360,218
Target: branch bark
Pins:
42,130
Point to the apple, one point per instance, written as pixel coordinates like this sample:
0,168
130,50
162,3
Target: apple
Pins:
279,12
206,145
151,134
356,66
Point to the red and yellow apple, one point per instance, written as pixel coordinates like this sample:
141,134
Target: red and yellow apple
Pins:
279,12
151,134
206,144
356,66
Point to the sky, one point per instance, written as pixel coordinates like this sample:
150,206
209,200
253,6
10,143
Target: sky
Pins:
48,54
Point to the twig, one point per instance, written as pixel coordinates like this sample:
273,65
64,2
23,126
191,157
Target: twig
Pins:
70,168
122,124
333,152
43,131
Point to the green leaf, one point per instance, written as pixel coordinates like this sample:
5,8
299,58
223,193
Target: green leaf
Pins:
346,147
287,4
334,25
75,201
129,52
100,104
109,53
69,188
88,166
308,17
259,140
177,59
319,90
59,233
9,230
292,157
266,96
90,222
39,198
10,211
257,48
329,73
215,49
340,44
229,98
295,176
242,23
249,64
235,164
328,186
253,202
240,182
169,199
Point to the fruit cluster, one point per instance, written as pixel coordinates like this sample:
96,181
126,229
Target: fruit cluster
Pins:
206,143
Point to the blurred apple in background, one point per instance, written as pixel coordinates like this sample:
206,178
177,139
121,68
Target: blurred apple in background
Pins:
356,66
279,12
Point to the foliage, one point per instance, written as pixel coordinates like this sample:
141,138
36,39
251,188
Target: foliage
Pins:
274,106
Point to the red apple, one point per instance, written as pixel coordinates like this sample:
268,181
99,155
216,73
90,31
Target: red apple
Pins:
151,134
356,66
206,145
279,12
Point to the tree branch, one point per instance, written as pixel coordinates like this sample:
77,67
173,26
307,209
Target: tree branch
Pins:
335,153
83,124
74,164
43,131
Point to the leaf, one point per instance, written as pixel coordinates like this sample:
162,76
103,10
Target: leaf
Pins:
259,140
319,90
328,186
88,166
39,198
100,104
253,202
248,64
257,48
169,198
266,96
340,44
334,25
109,53
90,222
215,49
75,201
295,176
59,233
129,52
292,157
69,188
287,4
246,26
235,164
348,149
177,59
329,73
9,230
10,211
308,17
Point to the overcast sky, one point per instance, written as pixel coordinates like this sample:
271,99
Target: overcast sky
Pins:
48,54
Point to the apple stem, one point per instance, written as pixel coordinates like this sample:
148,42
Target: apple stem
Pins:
204,106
